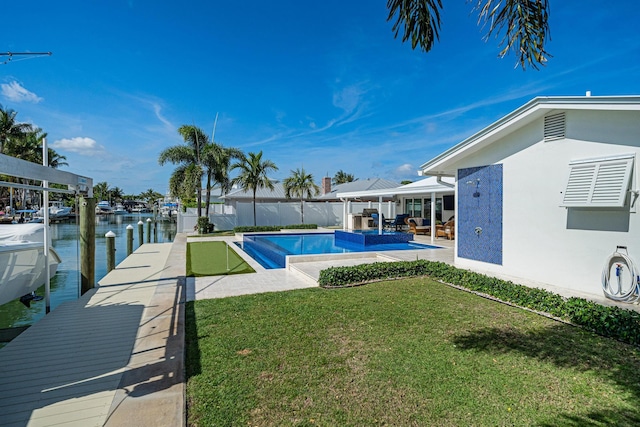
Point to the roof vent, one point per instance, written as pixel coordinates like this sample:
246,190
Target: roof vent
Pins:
554,127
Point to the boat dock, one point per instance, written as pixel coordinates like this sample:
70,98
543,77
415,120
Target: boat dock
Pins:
113,357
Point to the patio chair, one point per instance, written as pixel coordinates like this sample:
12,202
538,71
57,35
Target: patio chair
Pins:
446,230
398,222
415,228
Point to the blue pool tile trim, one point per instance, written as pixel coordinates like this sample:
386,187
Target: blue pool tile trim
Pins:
366,239
480,198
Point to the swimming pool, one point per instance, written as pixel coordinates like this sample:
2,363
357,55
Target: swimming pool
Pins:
271,250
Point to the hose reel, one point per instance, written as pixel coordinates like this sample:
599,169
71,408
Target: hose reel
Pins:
620,277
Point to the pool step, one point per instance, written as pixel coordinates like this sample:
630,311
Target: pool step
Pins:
310,265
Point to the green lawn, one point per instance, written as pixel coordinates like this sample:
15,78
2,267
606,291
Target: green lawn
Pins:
213,259
406,352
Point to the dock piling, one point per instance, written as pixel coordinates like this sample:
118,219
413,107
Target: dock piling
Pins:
141,232
87,244
111,250
148,230
129,239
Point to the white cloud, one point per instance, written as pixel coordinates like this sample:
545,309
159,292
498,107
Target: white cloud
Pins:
15,92
81,145
348,98
405,168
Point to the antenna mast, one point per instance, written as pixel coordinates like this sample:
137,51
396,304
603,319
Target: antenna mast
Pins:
12,54
213,134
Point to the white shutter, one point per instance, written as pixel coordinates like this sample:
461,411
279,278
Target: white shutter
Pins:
598,182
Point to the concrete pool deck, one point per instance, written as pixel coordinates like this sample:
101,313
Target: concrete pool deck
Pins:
301,274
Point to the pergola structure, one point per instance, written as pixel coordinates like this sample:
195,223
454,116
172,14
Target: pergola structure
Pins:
431,186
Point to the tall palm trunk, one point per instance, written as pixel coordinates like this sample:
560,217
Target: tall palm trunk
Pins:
254,207
199,201
208,195
302,209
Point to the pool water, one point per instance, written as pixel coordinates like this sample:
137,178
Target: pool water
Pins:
271,250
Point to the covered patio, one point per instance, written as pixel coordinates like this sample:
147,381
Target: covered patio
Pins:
430,198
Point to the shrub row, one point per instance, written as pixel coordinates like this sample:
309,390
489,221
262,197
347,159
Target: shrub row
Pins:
614,322
262,228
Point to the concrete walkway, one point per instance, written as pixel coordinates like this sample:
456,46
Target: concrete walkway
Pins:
114,357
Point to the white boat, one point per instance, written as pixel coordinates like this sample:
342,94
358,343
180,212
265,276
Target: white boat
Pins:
22,260
120,209
57,210
140,208
169,210
103,207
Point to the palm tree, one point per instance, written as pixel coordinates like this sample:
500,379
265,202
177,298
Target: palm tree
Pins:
29,147
253,175
150,196
522,24
188,157
217,161
300,185
9,128
341,177
101,190
116,194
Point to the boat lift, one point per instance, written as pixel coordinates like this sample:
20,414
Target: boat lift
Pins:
76,184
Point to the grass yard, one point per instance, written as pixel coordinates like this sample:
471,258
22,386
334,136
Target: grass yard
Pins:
214,258
406,352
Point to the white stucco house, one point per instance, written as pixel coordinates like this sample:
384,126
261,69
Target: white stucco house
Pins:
548,192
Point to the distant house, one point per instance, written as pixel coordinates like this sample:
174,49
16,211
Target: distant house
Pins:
548,192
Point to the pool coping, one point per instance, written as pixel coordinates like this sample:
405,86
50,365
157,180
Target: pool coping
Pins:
386,255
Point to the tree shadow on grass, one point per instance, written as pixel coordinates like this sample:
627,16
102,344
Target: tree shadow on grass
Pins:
568,347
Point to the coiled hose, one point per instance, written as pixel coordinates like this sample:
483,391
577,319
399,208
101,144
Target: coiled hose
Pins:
619,290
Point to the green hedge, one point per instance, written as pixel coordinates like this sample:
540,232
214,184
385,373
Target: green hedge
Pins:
262,228
614,322
252,228
300,227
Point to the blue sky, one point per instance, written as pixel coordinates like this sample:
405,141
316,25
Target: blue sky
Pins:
320,85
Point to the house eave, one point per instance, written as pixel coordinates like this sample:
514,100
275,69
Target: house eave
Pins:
532,110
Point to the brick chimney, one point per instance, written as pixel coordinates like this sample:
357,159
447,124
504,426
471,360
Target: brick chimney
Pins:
326,185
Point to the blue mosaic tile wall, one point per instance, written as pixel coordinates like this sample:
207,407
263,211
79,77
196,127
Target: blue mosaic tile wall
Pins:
479,217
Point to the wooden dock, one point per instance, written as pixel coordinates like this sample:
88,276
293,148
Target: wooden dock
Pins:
114,357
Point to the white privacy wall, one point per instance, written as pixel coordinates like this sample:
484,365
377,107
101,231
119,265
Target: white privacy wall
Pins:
542,241
324,214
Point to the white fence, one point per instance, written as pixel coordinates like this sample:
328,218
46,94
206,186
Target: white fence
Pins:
324,214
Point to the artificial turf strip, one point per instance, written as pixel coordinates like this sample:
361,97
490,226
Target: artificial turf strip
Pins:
411,352
210,259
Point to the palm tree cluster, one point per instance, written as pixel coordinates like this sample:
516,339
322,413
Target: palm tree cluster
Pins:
23,141
198,157
102,191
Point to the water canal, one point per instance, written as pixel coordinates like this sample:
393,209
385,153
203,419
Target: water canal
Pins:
65,284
